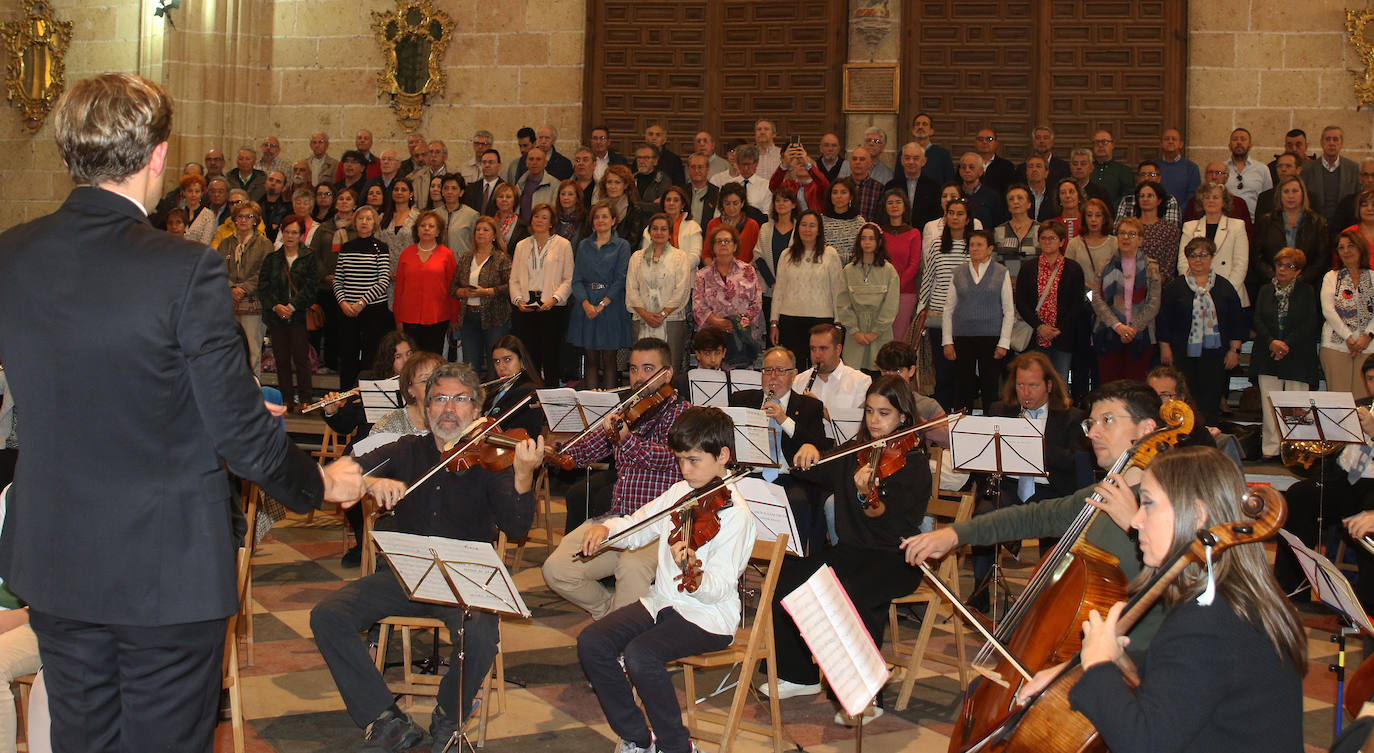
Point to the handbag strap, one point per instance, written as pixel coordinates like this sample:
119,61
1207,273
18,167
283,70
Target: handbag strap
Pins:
1044,293
292,283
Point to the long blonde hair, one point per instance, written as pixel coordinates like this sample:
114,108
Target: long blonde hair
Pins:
1243,576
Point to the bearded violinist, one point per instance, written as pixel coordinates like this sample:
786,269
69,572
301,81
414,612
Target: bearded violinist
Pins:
670,622
470,505
644,468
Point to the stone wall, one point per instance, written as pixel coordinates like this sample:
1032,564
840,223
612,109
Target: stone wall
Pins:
1270,66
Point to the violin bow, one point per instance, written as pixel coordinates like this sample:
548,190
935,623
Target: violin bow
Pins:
946,419
639,391
611,541
978,626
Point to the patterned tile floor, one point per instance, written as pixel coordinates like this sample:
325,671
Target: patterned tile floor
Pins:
291,705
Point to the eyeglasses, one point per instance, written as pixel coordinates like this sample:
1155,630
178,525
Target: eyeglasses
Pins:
325,194
1107,420
454,400
1128,234
1286,265
873,141
724,241
775,371
985,139
1144,174
1199,255
1240,182
1102,141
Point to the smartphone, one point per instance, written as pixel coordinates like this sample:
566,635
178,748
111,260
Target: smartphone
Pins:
796,141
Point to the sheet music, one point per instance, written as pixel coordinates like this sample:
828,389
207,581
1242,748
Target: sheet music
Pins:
565,408
831,627
753,436
373,441
772,514
480,576
974,444
1328,583
745,379
843,423
379,397
714,387
1300,414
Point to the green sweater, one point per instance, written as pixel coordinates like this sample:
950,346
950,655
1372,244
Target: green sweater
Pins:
1051,517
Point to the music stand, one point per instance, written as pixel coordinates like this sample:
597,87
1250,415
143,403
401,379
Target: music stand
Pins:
469,576
754,437
997,445
842,424
772,514
1317,417
1330,586
379,396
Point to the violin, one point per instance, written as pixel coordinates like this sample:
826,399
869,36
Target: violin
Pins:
1047,724
885,459
1043,627
495,450
697,522
638,408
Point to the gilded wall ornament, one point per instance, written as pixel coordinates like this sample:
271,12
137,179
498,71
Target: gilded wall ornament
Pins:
36,47
412,38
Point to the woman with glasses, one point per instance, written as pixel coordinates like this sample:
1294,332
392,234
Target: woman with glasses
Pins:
1347,301
410,417
1231,243
1201,326
1292,224
324,203
243,252
1049,296
1286,322
1126,301
726,296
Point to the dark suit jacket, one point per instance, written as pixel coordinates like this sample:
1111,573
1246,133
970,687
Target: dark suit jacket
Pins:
140,353
530,418
1058,170
807,412
256,185
989,206
999,174
708,204
1064,440
472,196
671,165
926,206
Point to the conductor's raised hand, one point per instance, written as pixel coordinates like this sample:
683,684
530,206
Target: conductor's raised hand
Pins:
343,482
593,538
927,546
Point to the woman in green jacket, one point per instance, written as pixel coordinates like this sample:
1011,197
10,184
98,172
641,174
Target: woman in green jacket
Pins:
868,300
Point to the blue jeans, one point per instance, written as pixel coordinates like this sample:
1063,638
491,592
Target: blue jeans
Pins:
1060,359
477,341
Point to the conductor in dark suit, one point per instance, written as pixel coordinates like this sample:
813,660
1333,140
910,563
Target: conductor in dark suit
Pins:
1036,392
800,421
123,546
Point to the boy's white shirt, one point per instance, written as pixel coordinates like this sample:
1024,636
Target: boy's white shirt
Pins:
715,605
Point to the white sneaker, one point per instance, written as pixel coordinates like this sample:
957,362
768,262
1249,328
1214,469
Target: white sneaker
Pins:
790,689
870,713
626,746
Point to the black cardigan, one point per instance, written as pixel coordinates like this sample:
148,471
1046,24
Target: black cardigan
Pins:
1073,327
1176,314
906,493
1269,238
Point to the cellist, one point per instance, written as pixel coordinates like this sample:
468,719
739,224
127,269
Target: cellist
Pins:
644,468
1120,414
1224,671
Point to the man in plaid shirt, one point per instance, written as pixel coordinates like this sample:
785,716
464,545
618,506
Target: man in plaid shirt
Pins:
644,469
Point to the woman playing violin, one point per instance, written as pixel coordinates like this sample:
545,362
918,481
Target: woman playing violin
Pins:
1222,673
866,559
679,616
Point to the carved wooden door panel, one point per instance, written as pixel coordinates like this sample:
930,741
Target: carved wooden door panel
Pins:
1076,65
715,66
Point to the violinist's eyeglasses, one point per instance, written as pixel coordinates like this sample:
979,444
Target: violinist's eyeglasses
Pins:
455,400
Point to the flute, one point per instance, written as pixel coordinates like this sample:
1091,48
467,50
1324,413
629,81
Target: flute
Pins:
330,401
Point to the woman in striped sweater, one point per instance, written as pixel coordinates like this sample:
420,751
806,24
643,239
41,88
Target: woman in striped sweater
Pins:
937,268
362,276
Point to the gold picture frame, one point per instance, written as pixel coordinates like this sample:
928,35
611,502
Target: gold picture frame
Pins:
871,87
412,39
36,51
1360,32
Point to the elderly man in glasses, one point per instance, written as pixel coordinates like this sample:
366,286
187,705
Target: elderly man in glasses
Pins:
468,506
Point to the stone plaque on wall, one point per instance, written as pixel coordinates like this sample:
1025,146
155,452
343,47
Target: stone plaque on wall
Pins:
871,87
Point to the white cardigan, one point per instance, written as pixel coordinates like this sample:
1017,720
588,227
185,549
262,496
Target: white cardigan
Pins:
557,270
688,237
681,268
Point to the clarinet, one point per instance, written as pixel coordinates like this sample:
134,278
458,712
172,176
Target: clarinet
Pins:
815,372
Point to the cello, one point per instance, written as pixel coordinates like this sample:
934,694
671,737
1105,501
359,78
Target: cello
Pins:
1043,627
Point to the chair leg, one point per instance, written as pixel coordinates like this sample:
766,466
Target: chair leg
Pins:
235,698
689,687
383,634
918,651
248,616
746,678
407,664
484,713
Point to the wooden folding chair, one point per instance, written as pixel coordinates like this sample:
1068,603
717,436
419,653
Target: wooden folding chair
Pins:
751,646
22,687
230,680
542,530
332,445
252,501
947,508
414,683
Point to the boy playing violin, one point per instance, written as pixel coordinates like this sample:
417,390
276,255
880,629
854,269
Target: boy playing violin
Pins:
679,616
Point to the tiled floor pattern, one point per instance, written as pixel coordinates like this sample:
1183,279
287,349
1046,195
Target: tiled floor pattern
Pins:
291,704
